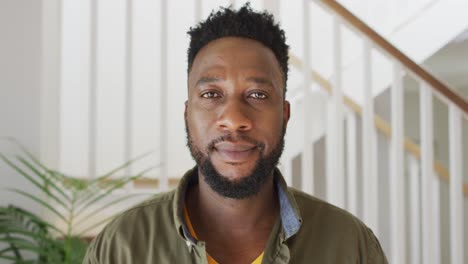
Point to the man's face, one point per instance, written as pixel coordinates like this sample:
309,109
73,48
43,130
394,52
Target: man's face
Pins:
236,115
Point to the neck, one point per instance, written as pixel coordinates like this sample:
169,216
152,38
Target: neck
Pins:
209,209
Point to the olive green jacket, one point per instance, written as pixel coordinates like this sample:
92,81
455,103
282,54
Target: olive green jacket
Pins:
308,231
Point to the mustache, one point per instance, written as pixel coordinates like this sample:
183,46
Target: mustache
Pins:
235,138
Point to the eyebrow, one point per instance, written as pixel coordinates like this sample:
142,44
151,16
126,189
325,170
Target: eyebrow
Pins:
213,79
260,80
207,80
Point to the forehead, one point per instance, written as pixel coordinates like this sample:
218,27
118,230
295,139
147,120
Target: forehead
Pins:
235,55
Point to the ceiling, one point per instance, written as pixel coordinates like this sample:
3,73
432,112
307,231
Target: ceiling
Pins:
450,64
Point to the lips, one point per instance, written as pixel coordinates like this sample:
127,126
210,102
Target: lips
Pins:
235,152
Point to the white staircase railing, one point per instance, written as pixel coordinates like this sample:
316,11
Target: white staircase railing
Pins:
429,185
358,174
415,158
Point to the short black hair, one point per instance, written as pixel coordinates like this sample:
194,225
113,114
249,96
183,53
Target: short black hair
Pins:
246,23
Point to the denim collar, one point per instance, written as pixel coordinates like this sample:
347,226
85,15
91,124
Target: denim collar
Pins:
290,218
289,212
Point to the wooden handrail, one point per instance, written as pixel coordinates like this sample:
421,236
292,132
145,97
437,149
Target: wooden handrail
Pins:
390,49
153,183
381,125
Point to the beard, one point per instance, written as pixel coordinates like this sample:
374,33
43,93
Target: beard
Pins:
247,186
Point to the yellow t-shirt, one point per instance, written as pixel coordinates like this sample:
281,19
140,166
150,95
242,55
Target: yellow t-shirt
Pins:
211,260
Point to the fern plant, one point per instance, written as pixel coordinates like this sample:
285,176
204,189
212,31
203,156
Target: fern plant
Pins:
68,200
23,230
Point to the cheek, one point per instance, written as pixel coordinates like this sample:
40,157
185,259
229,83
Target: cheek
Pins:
198,125
198,121
271,127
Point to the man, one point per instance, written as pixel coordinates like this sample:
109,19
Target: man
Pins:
234,206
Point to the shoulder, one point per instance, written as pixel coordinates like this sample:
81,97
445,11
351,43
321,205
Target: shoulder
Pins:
158,208
333,229
313,207
137,226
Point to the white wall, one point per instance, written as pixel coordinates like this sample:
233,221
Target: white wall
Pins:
20,80
75,52
441,145
441,141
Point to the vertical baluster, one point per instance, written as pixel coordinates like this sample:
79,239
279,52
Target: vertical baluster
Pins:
164,183
351,162
429,224
436,211
128,136
397,189
456,186
307,155
335,150
415,205
369,140
50,124
93,90
51,68
436,216
198,10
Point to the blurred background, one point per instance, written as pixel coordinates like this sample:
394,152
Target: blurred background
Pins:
378,90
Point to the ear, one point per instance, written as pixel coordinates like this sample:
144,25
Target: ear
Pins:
286,111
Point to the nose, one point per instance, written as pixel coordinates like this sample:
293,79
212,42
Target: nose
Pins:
234,118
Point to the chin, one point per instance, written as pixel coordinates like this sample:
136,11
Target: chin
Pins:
235,172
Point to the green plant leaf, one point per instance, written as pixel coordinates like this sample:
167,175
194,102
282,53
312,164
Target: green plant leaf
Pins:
31,156
40,201
13,216
123,166
12,248
46,179
26,232
68,197
26,151
19,225
111,188
95,182
41,255
32,180
76,255
18,241
19,230
13,259
25,245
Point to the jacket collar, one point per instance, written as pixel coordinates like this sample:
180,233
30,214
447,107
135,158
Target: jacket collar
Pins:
178,204
289,211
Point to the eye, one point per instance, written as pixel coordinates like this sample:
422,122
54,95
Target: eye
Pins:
210,94
258,95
